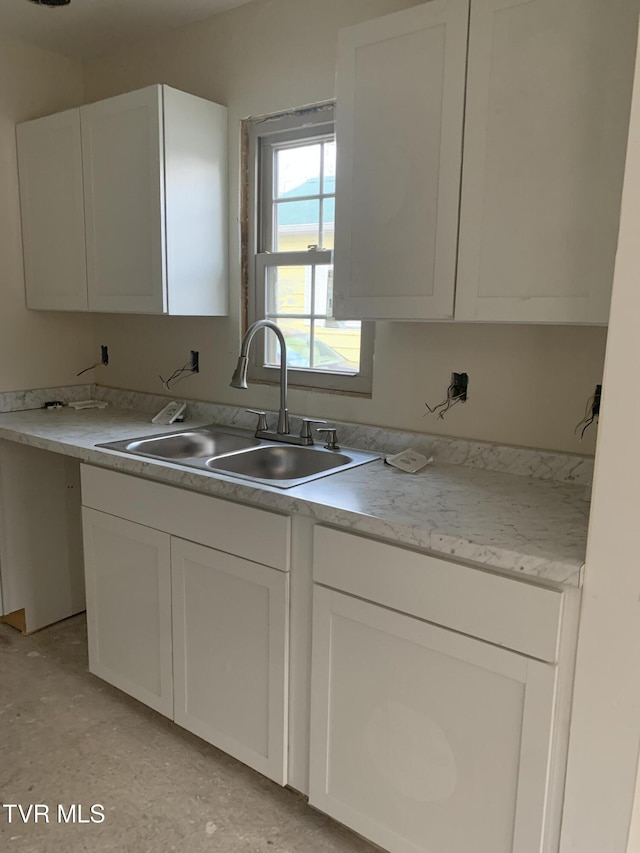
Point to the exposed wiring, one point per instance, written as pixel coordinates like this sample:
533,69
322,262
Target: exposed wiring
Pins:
91,367
178,375
591,413
447,404
587,419
104,360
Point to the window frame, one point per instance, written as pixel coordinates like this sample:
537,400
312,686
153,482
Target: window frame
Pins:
260,137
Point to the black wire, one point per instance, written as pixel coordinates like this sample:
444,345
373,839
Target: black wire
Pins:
177,375
587,420
97,364
586,426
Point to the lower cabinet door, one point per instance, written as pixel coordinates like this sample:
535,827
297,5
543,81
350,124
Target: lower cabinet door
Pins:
424,740
128,580
230,624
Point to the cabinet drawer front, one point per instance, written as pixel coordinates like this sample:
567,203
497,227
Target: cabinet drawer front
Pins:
247,532
509,613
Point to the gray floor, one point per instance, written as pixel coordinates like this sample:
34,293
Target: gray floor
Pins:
67,737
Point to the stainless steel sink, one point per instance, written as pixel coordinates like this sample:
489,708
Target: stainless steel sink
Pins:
238,454
286,465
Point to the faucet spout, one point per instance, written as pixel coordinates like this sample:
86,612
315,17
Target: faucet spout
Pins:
239,378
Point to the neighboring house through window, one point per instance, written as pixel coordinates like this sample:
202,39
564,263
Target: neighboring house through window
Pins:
291,220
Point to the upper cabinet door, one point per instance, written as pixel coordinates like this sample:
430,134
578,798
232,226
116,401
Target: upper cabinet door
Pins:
400,102
122,141
195,174
548,92
52,202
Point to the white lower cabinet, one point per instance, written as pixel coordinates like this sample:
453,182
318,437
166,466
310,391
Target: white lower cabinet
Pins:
424,739
433,701
230,643
128,577
195,632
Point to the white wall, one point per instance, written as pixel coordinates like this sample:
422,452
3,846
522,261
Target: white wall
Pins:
605,730
37,349
528,385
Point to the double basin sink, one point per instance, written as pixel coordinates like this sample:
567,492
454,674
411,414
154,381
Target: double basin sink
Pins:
238,454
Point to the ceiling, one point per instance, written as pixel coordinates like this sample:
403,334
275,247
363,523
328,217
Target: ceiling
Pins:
91,27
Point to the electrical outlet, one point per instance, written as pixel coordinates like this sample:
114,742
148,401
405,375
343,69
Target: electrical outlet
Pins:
459,385
595,406
195,361
104,355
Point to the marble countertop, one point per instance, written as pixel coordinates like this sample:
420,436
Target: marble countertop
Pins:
517,524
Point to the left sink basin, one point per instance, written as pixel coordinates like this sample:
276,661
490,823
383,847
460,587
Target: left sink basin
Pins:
201,443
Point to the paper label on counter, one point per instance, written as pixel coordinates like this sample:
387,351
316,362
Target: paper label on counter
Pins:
409,460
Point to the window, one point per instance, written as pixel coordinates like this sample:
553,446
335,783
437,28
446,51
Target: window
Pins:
291,219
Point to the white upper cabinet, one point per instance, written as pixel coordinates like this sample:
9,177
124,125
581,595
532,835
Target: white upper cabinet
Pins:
122,154
545,117
52,202
400,103
153,205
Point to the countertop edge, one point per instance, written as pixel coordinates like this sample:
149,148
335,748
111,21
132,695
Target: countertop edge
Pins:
512,563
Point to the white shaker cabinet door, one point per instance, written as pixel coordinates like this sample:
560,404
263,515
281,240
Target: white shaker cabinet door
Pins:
128,580
400,103
423,740
122,140
230,646
52,206
545,134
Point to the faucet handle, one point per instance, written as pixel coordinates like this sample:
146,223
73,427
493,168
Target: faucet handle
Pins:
262,419
305,430
332,438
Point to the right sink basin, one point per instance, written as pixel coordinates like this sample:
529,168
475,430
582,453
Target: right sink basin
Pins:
287,465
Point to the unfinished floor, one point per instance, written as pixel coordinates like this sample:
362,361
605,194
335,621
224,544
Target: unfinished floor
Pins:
67,737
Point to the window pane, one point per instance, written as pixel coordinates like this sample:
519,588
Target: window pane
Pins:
300,300
337,345
330,167
336,348
297,335
288,291
296,225
297,171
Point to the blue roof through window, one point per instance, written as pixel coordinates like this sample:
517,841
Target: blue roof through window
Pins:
306,212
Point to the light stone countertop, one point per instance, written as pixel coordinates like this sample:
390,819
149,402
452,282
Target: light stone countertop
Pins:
517,524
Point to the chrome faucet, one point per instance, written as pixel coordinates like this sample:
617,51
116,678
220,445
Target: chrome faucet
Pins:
239,380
